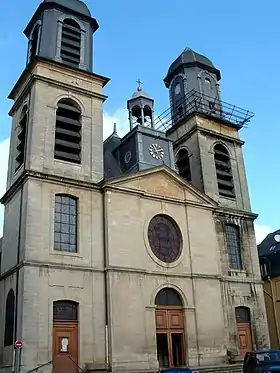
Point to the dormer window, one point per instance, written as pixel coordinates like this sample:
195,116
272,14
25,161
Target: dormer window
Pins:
71,43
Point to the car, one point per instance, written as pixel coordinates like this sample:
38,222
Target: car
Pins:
262,362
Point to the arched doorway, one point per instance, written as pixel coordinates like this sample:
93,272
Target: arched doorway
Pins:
65,337
244,333
171,349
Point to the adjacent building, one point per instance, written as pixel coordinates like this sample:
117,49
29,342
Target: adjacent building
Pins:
269,256
132,254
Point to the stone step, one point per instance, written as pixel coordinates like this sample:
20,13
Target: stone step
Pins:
226,368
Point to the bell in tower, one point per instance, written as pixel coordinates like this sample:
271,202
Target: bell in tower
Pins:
62,31
141,109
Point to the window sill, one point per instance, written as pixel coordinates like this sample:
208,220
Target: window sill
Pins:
237,272
233,198
66,253
78,165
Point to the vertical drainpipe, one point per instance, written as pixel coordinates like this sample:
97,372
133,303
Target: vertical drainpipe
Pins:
107,293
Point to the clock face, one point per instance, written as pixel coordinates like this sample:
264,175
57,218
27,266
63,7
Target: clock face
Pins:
127,156
156,151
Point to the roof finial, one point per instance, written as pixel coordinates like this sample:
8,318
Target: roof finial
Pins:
139,88
115,128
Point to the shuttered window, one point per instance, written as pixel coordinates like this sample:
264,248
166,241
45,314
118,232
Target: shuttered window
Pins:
68,132
21,138
223,171
71,43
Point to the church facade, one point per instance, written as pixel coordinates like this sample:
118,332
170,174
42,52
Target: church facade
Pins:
132,254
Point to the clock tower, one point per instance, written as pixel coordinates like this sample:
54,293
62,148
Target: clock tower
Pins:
143,146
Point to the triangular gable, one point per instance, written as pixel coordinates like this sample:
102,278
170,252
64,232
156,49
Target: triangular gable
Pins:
162,181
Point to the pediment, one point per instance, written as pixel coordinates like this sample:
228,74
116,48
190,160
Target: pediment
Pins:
162,182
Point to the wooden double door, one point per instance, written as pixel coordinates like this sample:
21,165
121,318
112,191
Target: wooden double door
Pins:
65,347
170,337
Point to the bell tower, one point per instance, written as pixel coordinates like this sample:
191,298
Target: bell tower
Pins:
57,112
143,146
55,163
141,109
205,131
62,31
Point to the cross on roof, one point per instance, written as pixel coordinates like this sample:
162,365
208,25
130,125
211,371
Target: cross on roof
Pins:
139,84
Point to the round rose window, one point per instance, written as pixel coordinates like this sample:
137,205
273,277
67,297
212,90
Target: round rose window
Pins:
165,238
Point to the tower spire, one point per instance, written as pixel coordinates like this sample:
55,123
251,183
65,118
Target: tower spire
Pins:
115,128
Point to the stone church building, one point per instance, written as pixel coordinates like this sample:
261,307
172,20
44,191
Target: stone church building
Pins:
134,253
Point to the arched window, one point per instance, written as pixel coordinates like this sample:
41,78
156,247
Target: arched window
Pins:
9,319
65,310
65,223
208,87
178,99
136,115
223,171
148,116
242,315
34,42
68,132
234,246
21,137
71,43
168,297
183,164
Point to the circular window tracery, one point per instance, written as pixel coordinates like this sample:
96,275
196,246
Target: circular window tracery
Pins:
165,238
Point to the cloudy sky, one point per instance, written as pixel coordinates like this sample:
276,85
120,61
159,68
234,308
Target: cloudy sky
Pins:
133,41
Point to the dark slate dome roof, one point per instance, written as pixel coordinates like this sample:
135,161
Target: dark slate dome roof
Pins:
75,5
190,58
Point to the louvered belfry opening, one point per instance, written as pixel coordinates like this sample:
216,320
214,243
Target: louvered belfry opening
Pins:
183,164
223,171
68,132
71,43
21,138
